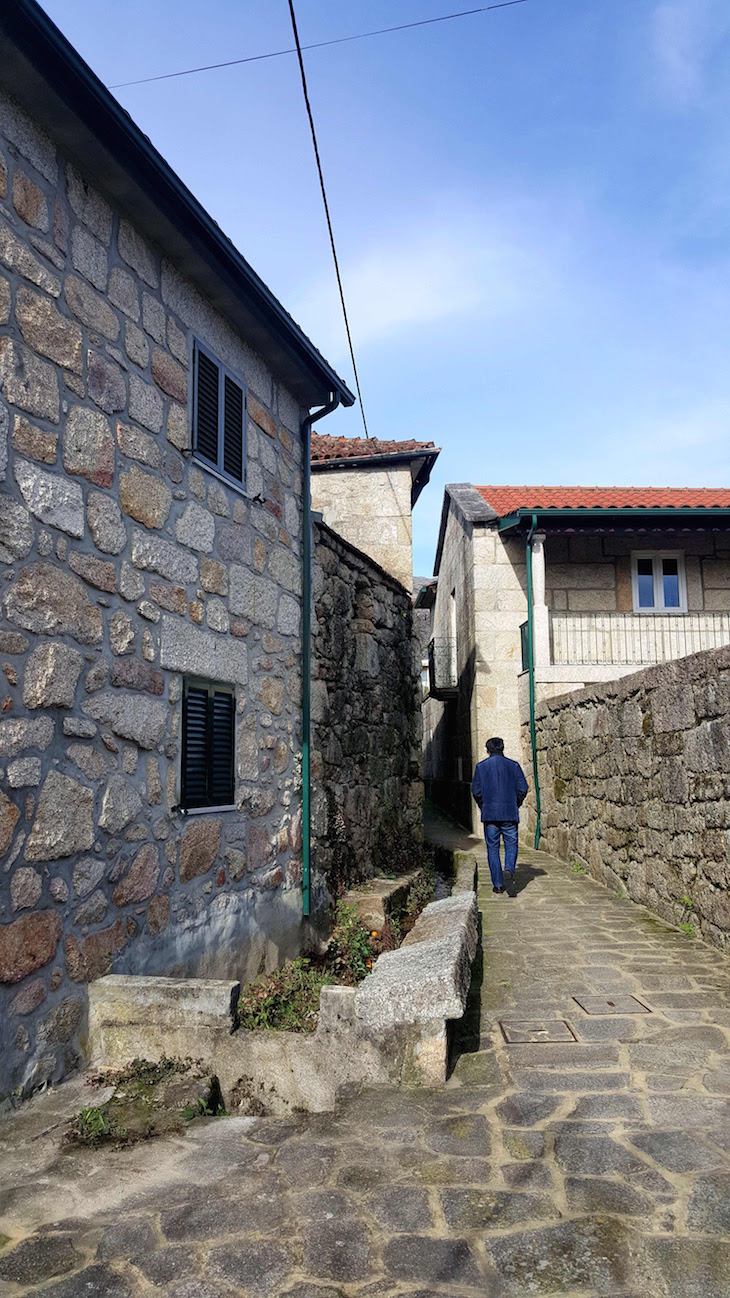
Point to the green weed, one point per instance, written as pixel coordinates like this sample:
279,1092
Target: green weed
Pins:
419,897
93,1126
688,929
287,999
578,868
687,902
349,954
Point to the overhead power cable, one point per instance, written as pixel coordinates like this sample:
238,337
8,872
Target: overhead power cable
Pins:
318,45
327,210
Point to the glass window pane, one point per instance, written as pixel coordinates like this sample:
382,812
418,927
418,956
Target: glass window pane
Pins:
645,582
671,583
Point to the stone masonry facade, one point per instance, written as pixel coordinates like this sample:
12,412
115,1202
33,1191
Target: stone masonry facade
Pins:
366,719
480,604
635,782
128,566
371,508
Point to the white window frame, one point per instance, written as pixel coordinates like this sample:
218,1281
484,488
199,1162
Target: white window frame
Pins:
656,557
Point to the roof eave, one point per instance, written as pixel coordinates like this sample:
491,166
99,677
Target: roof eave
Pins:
423,475
600,514
42,71
374,461
471,507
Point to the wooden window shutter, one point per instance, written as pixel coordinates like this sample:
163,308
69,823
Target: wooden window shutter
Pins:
207,406
221,775
233,429
195,747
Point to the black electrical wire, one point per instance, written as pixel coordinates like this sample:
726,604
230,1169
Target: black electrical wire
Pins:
318,45
327,210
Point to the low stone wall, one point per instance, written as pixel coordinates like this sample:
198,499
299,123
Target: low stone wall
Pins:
635,779
392,1028
367,791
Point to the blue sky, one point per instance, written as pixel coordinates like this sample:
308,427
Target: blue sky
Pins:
531,207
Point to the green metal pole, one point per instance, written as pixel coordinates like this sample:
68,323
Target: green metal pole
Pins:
531,677
307,647
306,667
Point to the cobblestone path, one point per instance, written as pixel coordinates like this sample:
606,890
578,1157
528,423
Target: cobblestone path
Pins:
581,1146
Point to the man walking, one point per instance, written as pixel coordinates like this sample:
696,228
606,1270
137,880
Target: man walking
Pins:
499,788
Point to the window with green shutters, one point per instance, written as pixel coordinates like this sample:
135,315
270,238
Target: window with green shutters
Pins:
219,416
208,744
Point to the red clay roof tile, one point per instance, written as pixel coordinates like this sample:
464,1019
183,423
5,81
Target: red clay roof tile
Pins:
505,500
326,447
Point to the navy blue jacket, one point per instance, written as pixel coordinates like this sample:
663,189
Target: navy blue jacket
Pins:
499,787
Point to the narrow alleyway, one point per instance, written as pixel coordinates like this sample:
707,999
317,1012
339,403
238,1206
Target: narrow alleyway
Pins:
580,1148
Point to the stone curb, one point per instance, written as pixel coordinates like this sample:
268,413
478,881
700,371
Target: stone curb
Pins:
391,1029
427,978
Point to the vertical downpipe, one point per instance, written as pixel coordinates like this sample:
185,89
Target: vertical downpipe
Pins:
531,677
306,430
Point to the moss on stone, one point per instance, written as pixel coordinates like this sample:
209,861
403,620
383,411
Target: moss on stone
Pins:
150,1099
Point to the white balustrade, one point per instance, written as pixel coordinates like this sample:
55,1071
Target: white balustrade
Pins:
633,638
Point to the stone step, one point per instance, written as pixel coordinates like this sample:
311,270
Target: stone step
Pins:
377,899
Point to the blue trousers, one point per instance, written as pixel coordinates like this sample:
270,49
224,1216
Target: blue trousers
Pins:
494,830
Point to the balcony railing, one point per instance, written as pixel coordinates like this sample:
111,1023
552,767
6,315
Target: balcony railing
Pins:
631,638
442,671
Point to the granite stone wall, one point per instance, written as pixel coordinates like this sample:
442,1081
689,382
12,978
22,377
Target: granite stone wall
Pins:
371,508
366,719
635,780
127,566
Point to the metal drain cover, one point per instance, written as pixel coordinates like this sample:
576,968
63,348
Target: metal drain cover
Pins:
535,1033
611,1005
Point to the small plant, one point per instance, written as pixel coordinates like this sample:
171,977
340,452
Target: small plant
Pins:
687,902
93,1126
389,939
419,897
150,1098
287,999
350,953
578,868
688,929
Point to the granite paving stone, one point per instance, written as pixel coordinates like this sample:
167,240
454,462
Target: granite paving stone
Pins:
677,1151
594,1168
338,1249
471,1209
258,1268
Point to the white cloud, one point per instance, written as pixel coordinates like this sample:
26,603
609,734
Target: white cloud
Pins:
682,38
428,271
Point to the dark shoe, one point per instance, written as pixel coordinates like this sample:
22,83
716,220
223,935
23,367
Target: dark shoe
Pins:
498,890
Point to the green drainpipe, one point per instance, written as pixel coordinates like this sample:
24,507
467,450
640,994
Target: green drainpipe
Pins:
531,677
306,429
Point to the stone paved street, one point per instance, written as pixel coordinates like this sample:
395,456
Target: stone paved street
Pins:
574,1151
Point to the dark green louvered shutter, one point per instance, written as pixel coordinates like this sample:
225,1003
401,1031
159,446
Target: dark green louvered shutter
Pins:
208,776
233,429
222,710
195,747
219,417
207,406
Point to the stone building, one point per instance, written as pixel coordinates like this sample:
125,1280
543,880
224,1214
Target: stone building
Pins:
153,395
367,804
620,579
365,490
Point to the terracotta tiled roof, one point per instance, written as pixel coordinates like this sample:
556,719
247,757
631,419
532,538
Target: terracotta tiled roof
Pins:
505,500
325,447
